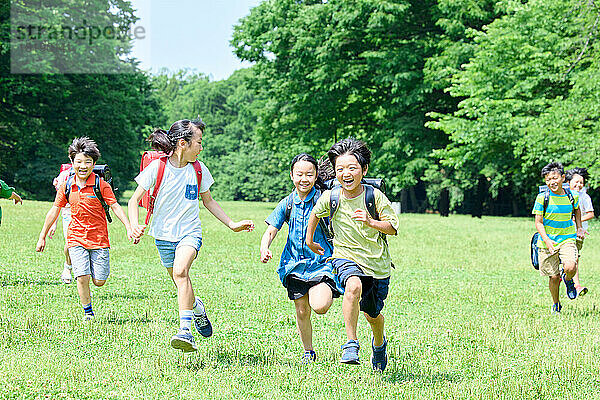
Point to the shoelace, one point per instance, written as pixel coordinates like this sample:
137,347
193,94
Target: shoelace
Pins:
202,317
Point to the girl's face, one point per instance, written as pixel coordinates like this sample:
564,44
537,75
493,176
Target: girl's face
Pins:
577,183
349,172
304,176
192,148
83,166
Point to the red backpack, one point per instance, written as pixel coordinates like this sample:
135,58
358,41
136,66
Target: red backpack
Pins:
148,199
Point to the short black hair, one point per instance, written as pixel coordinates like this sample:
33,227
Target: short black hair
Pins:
86,146
583,172
552,167
352,146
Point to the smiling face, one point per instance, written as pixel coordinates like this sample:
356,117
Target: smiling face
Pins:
554,180
577,183
349,173
304,176
83,166
191,149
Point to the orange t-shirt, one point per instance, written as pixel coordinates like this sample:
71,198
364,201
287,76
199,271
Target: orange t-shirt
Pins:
88,227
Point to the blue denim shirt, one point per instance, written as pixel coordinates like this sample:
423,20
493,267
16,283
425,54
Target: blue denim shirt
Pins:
297,258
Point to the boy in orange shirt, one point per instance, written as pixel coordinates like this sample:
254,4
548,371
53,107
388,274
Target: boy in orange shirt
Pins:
87,235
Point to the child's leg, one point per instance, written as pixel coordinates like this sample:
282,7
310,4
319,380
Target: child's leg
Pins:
184,256
554,285
351,306
67,256
377,328
320,298
100,265
303,322
83,289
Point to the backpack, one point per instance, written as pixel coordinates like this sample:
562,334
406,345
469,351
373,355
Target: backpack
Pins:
534,249
148,199
323,222
101,172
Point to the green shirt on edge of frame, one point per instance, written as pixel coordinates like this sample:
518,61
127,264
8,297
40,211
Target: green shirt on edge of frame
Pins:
5,193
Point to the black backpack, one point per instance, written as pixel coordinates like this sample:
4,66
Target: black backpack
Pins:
102,172
535,262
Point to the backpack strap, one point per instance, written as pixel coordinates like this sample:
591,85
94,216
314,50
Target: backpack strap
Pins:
334,203
98,193
370,201
289,203
161,172
198,169
546,202
68,185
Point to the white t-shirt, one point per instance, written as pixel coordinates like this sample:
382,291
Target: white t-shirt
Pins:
585,205
58,182
177,204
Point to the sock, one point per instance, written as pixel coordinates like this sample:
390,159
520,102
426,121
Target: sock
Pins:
198,307
67,266
185,319
88,309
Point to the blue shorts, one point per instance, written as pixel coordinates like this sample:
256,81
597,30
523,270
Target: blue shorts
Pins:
374,291
166,249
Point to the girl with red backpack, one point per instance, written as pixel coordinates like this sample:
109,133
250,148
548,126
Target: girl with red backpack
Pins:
177,181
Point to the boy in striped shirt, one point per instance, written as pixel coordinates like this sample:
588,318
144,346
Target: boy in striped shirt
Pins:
558,233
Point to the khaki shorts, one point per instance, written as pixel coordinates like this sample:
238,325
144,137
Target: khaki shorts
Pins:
579,243
550,263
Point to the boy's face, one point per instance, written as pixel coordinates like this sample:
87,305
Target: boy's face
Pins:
577,183
349,172
83,166
554,180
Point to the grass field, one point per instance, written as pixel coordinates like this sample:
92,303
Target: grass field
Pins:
467,318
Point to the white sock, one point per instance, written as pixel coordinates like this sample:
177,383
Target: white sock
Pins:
198,307
67,266
185,319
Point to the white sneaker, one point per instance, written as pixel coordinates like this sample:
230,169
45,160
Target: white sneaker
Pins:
66,277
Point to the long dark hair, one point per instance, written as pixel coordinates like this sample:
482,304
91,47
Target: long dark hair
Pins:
166,140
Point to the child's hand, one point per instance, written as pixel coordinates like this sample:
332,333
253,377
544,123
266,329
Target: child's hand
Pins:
41,244
363,216
550,246
581,233
14,196
137,231
132,238
265,255
315,247
51,231
245,225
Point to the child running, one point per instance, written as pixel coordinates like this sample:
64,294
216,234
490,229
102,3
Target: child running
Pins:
307,276
87,234
361,257
577,177
175,224
554,222
65,212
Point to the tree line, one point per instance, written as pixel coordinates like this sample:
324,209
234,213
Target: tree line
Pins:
461,101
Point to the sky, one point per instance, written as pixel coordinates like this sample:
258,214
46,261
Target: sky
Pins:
192,34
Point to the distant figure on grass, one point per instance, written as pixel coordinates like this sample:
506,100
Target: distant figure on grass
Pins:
7,192
577,177
308,277
361,257
175,224
65,212
558,233
87,233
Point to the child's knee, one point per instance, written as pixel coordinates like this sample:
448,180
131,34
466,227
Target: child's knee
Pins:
180,273
322,306
302,311
353,286
570,267
99,282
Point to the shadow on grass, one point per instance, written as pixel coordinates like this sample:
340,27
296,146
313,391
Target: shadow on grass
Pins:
15,280
126,296
404,375
125,321
220,356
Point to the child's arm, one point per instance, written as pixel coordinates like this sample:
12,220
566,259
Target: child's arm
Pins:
118,210
580,231
50,218
216,210
382,226
539,225
313,221
265,243
52,229
17,199
587,216
132,208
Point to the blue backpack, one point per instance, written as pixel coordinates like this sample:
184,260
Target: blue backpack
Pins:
535,261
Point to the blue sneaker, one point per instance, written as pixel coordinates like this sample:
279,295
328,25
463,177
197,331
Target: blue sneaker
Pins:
350,352
201,321
571,289
309,357
184,341
379,358
556,309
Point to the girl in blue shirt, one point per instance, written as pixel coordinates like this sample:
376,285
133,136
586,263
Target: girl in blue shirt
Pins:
308,277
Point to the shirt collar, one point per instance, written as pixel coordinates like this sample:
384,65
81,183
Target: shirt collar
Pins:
308,197
91,180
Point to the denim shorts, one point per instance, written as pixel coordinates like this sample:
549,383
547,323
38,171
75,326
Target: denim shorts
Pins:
94,262
166,249
374,291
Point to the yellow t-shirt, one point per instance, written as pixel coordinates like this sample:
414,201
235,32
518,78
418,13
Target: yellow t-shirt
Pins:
355,241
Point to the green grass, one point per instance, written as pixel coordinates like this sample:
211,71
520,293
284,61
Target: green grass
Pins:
467,317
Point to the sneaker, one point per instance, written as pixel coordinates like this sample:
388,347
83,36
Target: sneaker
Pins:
309,357
184,341
379,358
571,290
581,291
556,309
201,322
65,276
350,352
